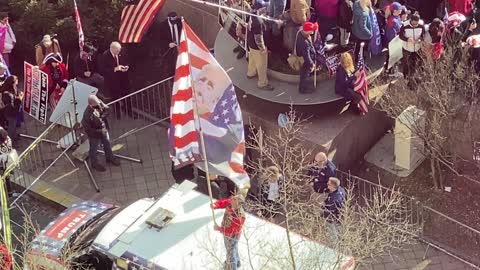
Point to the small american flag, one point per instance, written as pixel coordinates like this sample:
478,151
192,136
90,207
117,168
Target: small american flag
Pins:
136,18
361,84
81,37
204,100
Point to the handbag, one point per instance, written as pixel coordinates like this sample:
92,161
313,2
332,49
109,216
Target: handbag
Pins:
294,61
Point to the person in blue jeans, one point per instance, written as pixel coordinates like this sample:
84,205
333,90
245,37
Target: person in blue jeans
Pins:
275,9
95,125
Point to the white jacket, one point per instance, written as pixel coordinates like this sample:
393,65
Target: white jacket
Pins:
10,39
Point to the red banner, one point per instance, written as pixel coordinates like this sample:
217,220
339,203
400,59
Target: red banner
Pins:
67,225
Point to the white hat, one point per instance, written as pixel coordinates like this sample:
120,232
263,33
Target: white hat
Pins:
47,40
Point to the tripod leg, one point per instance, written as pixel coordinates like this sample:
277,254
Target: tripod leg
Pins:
94,182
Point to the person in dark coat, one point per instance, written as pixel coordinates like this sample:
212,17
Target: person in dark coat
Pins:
345,79
85,68
321,172
12,100
345,20
333,206
115,72
96,127
305,48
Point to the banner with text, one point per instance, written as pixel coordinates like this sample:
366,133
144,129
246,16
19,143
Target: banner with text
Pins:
36,92
333,62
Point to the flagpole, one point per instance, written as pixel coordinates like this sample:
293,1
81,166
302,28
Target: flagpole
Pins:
202,141
315,70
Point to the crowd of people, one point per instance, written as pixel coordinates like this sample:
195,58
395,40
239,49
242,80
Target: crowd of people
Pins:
301,28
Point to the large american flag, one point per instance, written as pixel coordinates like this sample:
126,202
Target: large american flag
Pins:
204,99
361,84
136,18
81,37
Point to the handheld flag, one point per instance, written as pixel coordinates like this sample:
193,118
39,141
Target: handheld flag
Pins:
204,103
136,18
81,37
361,84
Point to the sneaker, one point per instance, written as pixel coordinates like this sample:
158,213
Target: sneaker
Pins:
237,49
114,161
267,87
251,77
98,167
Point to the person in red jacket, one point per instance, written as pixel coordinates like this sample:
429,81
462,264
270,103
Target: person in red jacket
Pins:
231,228
57,77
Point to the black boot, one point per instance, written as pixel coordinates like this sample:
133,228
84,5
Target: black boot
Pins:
114,161
98,167
237,49
241,54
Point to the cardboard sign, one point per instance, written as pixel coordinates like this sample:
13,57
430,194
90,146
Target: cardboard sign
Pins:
333,62
395,51
36,92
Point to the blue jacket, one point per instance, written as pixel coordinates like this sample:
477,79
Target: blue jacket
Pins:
343,81
361,27
320,176
392,29
305,49
333,204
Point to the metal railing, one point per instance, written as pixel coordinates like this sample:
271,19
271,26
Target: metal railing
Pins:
437,229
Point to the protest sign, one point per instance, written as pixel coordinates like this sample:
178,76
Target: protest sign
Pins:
36,92
333,62
395,51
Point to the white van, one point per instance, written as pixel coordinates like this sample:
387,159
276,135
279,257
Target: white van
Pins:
174,232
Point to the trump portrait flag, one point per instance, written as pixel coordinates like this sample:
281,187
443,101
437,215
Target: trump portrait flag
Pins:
204,99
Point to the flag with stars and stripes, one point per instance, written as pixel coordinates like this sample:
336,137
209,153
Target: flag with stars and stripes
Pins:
136,18
81,37
56,235
361,84
204,101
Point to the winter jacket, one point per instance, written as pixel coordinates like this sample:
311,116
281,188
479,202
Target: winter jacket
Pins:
345,14
392,29
319,175
333,205
12,104
343,80
305,49
233,220
94,122
462,6
41,51
361,27
299,11
10,39
326,8
61,81
416,33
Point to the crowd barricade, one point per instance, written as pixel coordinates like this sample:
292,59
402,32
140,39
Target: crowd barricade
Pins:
436,229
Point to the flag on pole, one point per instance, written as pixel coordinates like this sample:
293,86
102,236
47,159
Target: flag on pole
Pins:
136,18
204,98
361,84
81,37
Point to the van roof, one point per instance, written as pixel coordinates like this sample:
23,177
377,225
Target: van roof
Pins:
188,241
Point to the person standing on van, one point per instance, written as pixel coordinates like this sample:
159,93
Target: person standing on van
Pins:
231,228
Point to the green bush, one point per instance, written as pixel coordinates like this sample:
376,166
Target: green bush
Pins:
31,19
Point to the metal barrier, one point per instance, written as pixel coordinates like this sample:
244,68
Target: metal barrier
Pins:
434,224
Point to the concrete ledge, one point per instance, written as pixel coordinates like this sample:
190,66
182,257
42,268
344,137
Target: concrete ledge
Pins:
54,194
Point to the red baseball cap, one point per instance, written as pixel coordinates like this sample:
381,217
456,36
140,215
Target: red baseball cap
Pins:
309,26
